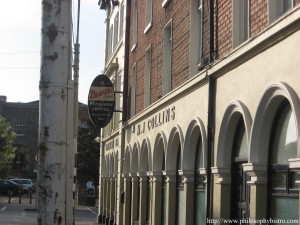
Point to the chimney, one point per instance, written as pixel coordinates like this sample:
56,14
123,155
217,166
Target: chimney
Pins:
2,98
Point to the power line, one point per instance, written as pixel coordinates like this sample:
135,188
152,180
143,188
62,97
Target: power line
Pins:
12,53
18,67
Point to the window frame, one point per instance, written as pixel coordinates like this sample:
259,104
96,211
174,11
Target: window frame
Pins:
196,60
135,25
275,169
121,20
240,31
110,41
147,78
19,125
148,17
133,90
167,59
276,9
116,31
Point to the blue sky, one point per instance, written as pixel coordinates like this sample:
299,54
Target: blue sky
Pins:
20,41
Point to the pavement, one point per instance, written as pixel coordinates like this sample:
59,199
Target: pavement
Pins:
29,205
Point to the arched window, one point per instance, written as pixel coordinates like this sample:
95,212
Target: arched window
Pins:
199,188
148,198
179,190
239,188
164,195
283,193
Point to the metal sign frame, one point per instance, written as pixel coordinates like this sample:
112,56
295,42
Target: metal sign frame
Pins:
101,101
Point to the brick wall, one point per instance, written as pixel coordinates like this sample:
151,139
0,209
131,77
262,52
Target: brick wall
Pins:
258,16
223,28
179,12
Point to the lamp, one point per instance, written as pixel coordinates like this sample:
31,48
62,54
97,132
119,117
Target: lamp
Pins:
97,139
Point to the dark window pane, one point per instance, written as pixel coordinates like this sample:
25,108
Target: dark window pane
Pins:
284,208
295,177
200,212
285,138
279,180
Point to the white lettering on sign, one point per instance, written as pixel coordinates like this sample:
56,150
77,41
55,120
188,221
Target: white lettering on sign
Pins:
101,104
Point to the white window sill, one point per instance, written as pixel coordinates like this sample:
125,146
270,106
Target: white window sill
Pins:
165,3
148,27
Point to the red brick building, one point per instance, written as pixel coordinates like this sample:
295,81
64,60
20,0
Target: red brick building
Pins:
211,115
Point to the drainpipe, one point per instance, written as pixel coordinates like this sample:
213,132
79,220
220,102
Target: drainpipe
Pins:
126,61
211,112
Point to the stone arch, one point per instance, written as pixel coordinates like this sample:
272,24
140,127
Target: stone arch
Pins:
145,156
175,139
160,145
234,111
115,154
104,167
111,164
195,130
107,172
273,96
127,162
135,158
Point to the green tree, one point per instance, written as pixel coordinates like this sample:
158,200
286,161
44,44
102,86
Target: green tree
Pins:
7,151
88,155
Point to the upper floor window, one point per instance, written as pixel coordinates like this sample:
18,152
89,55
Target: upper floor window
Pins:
109,41
167,59
147,79
240,22
116,27
196,59
135,25
19,125
148,15
132,91
278,8
121,21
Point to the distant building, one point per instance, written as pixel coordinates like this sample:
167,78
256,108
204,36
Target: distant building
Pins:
24,119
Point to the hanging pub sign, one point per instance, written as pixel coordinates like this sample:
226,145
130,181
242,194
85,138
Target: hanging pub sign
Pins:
101,101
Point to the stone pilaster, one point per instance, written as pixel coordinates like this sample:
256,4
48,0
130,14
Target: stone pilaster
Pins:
127,199
156,209
188,187
221,193
134,197
171,197
112,200
258,190
143,198
104,197
108,193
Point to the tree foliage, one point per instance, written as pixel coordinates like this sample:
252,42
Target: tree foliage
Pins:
7,151
88,155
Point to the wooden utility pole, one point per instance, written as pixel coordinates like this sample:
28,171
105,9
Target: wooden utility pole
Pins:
56,152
